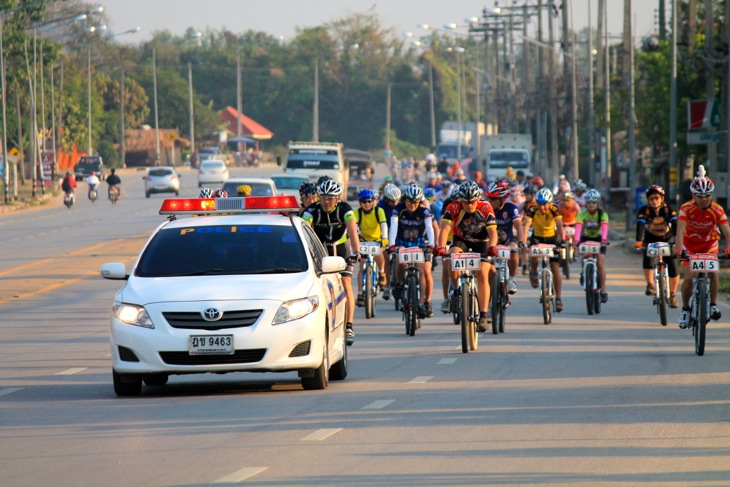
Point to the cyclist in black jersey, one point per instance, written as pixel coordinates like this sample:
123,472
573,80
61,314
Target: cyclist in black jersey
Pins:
334,222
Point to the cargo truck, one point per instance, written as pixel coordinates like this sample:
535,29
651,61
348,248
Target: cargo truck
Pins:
502,151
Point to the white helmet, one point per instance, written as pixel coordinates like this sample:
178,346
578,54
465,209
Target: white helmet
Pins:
330,187
413,192
592,196
543,196
392,192
701,184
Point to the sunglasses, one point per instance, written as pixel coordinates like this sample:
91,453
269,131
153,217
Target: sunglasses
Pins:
414,202
366,201
655,197
703,195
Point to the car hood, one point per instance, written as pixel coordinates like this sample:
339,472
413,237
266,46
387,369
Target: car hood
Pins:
280,287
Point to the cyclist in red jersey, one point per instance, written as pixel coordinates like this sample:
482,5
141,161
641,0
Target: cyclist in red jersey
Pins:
697,232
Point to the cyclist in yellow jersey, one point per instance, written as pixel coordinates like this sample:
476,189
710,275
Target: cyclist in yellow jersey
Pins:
373,227
547,223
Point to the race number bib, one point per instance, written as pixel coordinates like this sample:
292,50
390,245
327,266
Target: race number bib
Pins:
589,247
412,254
465,261
369,248
503,252
704,263
659,248
546,250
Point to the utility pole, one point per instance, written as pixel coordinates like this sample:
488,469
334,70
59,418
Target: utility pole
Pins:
315,109
541,105
606,164
673,166
710,80
629,45
387,118
591,128
552,99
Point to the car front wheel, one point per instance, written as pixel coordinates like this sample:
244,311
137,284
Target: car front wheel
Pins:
127,384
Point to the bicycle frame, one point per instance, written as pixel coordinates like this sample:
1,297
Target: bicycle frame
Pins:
699,316
369,283
411,287
589,250
545,279
466,263
658,251
500,294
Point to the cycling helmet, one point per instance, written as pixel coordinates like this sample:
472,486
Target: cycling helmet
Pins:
307,189
243,190
592,196
568,195
701,184
498,189
469,191
365,194
581,186
206,193
322,179
330,187
537,180
543,196
655,189
429,193
529,189
413,192
219,193
392,192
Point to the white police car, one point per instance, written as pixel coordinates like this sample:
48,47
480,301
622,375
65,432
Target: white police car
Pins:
236,288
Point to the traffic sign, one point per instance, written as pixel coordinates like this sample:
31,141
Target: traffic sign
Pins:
13,152
703,137
673,179
703,114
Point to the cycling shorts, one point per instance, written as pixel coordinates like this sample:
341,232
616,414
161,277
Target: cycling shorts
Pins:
709,247
481,247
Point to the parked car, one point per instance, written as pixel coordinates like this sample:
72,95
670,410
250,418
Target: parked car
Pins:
289,184
259,186
89,164
254,292
161,179
212,171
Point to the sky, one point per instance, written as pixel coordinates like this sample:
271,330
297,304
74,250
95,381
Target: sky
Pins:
283,17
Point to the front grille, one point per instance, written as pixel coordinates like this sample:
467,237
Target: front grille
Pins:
238,357
230,319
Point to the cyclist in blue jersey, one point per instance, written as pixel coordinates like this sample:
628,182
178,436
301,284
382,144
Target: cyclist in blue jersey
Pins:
509,226
411,225
391,196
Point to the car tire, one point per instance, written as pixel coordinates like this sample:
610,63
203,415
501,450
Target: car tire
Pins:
338,371
146,194
126,385
177,193
320,379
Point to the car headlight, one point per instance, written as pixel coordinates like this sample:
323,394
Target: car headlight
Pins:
293,310
132,315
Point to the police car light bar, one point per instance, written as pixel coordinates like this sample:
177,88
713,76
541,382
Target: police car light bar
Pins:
250,204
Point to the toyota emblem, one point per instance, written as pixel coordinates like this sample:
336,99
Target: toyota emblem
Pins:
212,314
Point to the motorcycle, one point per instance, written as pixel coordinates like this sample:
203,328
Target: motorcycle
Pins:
93,193
113,194
68,199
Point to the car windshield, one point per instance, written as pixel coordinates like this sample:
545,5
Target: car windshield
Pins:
220,250
289,183
213,165
160,172
257,189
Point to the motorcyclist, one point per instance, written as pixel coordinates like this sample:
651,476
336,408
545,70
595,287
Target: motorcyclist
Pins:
114,181
69,183
93,181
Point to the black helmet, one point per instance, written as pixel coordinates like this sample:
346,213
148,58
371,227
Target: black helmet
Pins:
307,189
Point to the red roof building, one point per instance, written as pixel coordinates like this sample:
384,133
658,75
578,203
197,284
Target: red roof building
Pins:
249,127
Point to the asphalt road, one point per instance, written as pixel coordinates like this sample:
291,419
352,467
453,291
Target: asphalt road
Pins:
588,400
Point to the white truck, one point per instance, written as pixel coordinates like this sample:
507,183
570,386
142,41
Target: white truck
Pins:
455,141
315,159
502,151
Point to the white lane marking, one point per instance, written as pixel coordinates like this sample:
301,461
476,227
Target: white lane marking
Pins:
322,434
240,475
446,361
421,380
72,371
10,390
379,404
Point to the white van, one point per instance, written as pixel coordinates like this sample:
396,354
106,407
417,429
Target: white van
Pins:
315,159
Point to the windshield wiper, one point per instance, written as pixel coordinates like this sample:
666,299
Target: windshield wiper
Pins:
278,270
206,272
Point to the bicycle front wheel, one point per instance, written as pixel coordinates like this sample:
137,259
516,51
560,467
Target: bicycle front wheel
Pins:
368,287
547,298
496,301
565,264
590,287
661,295
464,312
700,326
412,304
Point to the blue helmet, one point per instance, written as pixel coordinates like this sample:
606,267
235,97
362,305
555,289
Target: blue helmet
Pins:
544,195
366,194
429,193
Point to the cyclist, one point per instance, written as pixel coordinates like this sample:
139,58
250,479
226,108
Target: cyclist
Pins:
411,225
547,228
592,224
307,196
391,197
561,187
474,226
334,223
657,222
569,210
579,193
697,232
509,226
371,223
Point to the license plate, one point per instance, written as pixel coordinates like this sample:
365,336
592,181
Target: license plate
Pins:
210,345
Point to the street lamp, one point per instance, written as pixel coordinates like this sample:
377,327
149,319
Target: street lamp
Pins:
432,110
459,51
194,35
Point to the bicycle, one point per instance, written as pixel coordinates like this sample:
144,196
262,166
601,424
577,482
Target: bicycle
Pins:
589,250
369,283
500,291
569,255
468,302
411,287
545,279
658,251
699,313
393,278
